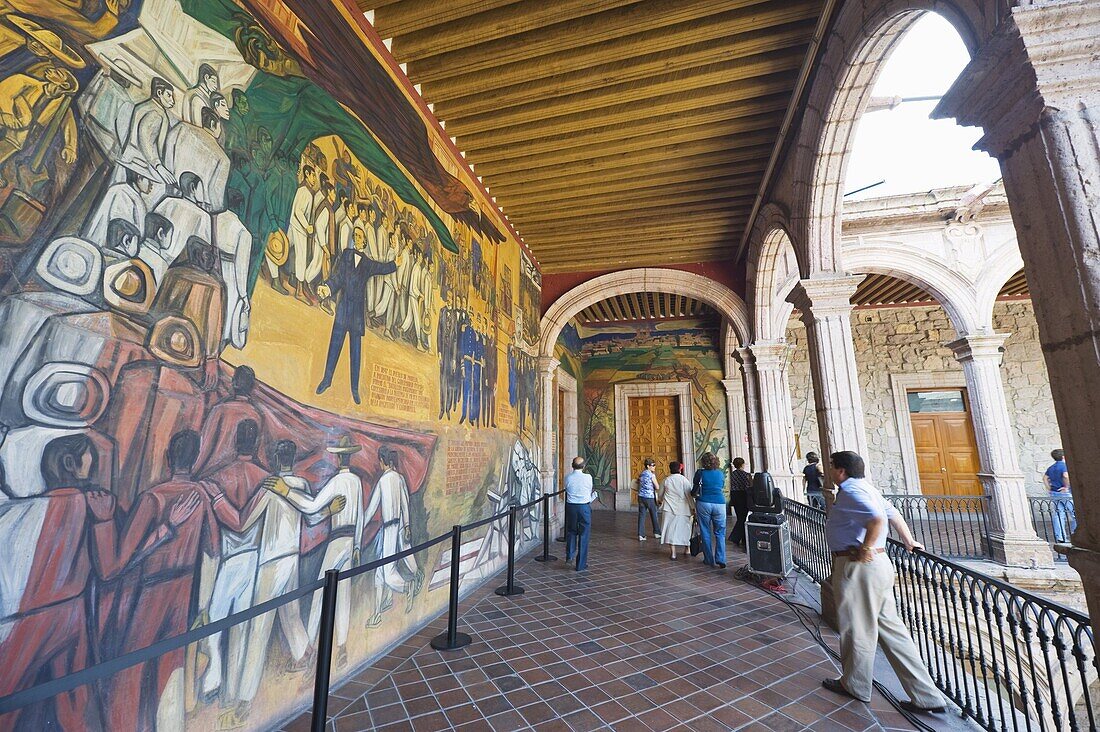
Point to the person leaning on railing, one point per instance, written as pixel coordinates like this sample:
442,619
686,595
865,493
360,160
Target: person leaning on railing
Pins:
863,585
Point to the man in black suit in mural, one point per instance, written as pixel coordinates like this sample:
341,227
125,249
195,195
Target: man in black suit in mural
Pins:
348,284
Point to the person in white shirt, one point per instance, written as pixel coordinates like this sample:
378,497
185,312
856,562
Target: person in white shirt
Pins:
677,508
578,513
300,228
199,96
390,498
345,537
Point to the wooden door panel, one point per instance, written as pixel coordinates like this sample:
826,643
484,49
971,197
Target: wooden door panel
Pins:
924,432
947,455
654,433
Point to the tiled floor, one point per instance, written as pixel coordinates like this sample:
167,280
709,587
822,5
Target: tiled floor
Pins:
638,642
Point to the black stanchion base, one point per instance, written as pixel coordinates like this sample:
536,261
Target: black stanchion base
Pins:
547,558
560,540
440,642
505,591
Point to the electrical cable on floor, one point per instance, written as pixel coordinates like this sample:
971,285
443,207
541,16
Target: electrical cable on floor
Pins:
775,587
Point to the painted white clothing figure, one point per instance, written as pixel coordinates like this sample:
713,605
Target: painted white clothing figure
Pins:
194,149
299,230
234,243
390,498
121,201
387,283
345,235
322,223
144,147
414,298
193,102
188,219
374,251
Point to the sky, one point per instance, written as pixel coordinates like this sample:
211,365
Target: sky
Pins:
902,146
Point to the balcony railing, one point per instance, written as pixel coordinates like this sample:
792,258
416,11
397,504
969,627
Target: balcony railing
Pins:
1009,659
951,526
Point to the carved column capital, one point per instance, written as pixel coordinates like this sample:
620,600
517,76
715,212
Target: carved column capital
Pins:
770,355
547,365
823,296
1042,58
979,347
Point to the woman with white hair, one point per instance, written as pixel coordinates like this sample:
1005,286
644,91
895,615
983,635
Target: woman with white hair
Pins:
677,508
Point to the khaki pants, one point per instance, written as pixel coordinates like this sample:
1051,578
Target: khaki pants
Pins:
867,615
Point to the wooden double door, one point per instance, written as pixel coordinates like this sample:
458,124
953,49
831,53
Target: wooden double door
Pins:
943,436
654,433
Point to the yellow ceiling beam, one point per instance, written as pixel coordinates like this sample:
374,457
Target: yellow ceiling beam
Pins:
499,24
563,38
699,222
614,212
627,75
612,61
668,192
654,94
408,16
758,130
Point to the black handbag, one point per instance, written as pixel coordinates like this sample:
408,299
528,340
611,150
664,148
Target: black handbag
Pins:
695,546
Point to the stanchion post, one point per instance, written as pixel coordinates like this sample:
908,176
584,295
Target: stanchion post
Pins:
546,555
452,640
324,651
511,588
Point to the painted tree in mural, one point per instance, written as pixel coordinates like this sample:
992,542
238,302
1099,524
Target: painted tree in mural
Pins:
189,202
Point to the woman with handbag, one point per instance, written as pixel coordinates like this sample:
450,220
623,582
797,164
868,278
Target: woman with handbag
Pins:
677,508
710,509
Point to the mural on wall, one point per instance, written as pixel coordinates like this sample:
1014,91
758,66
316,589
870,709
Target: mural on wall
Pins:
239,345
683,351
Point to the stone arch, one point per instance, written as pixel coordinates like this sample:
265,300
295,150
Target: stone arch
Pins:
1002,263
953,291
770,242
863,37
650,279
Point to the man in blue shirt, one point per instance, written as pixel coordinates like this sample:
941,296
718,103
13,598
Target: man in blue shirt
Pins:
578,513
647,500
863,585
1056,479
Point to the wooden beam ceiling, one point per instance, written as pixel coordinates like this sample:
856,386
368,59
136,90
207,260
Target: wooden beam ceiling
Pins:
611,132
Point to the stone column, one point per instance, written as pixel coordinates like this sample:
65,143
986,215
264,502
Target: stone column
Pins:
1011,533
752,407
735,418
825,308
547,367
1035,89
776,428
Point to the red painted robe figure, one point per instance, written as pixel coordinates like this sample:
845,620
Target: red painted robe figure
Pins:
162,599
219,430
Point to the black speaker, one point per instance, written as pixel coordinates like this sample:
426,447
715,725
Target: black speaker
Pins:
768,542
764,497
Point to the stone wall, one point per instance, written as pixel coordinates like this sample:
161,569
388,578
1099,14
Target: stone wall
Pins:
910,340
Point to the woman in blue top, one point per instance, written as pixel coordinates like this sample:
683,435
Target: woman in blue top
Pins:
710,510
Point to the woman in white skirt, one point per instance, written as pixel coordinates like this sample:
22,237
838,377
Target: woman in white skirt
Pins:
678,508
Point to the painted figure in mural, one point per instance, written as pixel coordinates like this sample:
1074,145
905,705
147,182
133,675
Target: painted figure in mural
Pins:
127,200
345,174
348,285
142,694
32,111
234,243
323,239
217,446
235,581
189,220
345,537
300,228
390,501
277,510
489,384
197,97
196,149
143,149
237,127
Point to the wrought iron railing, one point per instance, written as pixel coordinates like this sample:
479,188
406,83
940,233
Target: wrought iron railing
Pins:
1009,659
1054,518
951,526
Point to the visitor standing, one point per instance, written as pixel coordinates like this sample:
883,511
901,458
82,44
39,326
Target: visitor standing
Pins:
578,513
647,500
1062,513
740,483
863,585
677,508
710,510
812,479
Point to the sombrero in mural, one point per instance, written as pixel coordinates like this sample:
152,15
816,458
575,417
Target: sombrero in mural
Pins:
176,341
57,47
278,248
66,394
344,446
129,286
238,323
71,265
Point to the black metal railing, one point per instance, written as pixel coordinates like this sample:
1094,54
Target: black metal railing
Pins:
1009,659
1054,518
101,673
951,526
